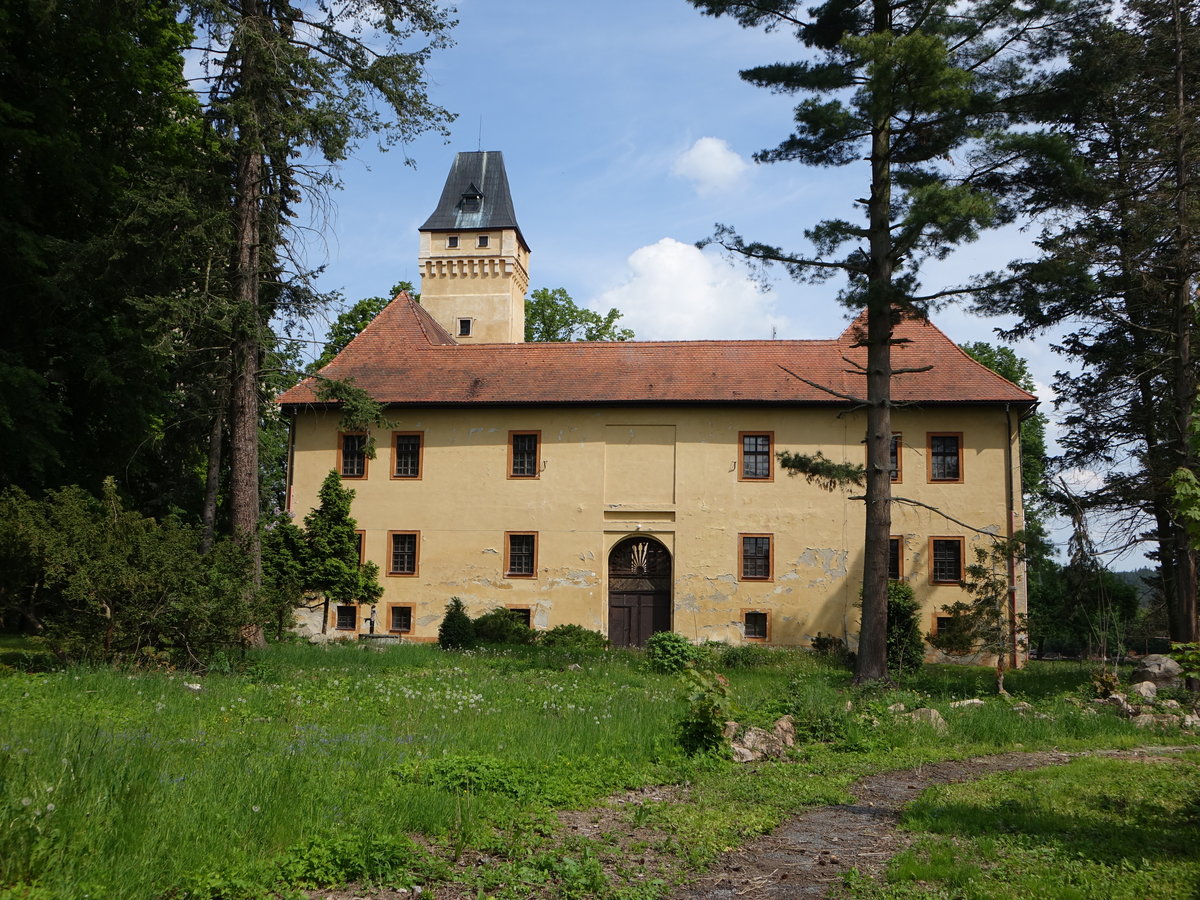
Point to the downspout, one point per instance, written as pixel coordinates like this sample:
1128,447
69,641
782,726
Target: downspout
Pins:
291,462
1010,505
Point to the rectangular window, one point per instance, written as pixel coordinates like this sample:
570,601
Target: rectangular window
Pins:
400,619
352,455
347,618
755,625
452,241
483,240
895,559
524,614
756,557
755,456
945,555
523,454
945,456
520,554
464,328
406,453
405,552
895,461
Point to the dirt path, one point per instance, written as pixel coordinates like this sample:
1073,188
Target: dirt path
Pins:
808,855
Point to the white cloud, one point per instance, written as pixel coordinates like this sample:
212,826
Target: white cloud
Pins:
711,164
673,291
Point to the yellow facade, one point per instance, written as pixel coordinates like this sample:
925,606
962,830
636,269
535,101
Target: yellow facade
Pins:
632,488
670,475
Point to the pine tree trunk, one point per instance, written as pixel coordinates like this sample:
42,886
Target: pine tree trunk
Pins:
1182,603
212,477
246,350
871,664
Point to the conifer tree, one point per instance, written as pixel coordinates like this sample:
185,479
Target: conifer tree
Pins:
1120,166
289,83
334,566
913,88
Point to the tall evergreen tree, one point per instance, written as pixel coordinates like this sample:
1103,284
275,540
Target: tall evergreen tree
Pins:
912,88
1120,274
108,219
287,83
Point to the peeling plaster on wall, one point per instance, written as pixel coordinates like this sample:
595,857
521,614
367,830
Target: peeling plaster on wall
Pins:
429,620
471,431
993,530
574,578
541,617
832,563
489,550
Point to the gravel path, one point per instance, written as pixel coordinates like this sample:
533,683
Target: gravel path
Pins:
808,855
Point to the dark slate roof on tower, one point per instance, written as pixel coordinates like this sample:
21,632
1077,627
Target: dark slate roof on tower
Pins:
476,195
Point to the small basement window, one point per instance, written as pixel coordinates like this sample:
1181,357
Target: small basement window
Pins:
401,619
756,626
524,614
347,618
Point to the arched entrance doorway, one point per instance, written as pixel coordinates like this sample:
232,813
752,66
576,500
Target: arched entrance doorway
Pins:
639,591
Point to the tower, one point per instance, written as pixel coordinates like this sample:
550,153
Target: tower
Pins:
474,261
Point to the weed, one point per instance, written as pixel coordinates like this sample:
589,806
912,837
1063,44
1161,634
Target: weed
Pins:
668,652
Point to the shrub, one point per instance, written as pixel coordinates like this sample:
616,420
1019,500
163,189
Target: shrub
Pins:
457,631
574,637
668,652
502,626
107,584
744,656
905,646
702,727
832,648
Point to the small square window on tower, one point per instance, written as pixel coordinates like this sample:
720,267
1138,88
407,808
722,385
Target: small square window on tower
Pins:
464,328
483,241
452,242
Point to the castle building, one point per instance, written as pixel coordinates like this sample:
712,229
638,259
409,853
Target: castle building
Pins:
635,487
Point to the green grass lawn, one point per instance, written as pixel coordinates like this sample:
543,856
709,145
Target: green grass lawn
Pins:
311,767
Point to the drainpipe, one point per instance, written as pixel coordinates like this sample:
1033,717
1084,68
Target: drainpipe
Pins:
1011,506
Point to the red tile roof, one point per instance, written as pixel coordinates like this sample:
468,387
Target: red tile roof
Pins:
405,358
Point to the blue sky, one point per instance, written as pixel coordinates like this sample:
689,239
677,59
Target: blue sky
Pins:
627,134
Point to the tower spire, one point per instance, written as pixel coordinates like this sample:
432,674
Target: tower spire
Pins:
474,260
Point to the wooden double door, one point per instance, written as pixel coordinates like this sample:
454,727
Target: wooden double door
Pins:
639,591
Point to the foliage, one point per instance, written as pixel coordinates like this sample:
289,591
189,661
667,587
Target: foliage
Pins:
1188,657
985,624
552,316
502,626
820,470
284,83
457,630
335,570
745,656
668,652
906,647
573,637
1115,279
702,728
832,648
912,89
360,411
109,211
105,584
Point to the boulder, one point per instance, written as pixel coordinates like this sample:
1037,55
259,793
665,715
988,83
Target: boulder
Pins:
1147,690
1022,707
757,743
965,704
1162,670
897,708
930,717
